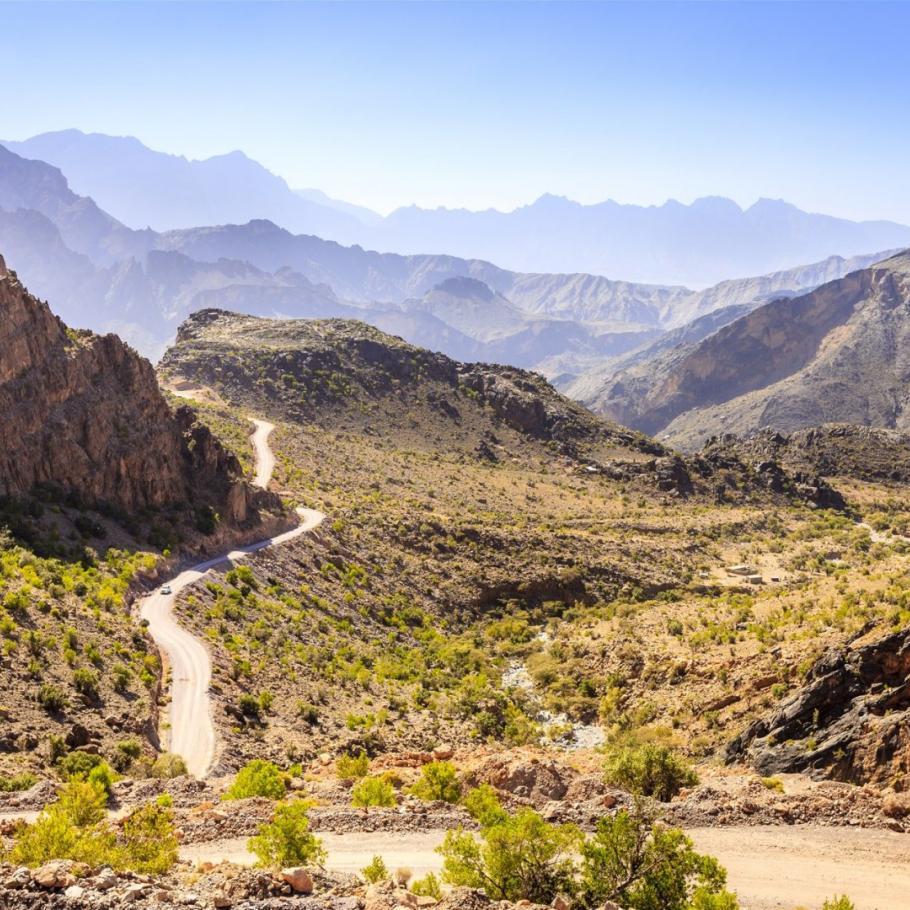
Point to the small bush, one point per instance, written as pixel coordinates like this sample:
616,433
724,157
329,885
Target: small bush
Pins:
168,765
86,683
287,839
649,770
376,871
373,791
308,713
640,865
128,750
438,781
52,699
838,903
484,806
54,835
257,778
428,886
18,782
83,802
78,765
773,783
519,857
149,840
352,767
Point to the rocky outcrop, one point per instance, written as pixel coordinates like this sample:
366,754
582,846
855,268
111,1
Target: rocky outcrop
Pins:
83,413
834,450
849,722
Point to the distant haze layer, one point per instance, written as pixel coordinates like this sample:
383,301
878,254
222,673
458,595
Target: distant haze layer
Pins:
694,245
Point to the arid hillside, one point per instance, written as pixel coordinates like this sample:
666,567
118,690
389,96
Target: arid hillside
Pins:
480,525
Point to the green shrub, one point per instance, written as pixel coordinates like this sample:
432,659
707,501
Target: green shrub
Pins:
376,871
86,683
287,839
168,765
17,782
149,841
52,699
308,713
773,783
54,835
78,764
74,828
640,865
257,778
428,886
484,806
519,857
83,802
122,677
128,750
838,903
352,767
373,791
438,781
649,770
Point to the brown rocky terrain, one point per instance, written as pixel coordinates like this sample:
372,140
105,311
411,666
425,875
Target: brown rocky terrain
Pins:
833,354
873,454
468,506
100,482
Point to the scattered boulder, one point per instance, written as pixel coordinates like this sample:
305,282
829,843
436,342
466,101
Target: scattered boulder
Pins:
55,874
299,879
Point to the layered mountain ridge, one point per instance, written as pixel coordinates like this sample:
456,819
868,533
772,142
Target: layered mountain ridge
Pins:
835,354
141,284
700,244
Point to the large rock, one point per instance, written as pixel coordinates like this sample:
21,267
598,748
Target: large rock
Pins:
299,879
536,780
55,874
851,721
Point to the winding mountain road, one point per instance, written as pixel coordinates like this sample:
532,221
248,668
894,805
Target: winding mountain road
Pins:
191,729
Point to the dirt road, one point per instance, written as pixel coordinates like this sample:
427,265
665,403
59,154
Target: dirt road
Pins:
770,868
265,457
191,732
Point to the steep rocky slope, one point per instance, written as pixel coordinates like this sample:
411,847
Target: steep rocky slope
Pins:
99,480
835,354
84,414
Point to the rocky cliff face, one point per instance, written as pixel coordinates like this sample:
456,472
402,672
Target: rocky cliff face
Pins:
849,722
84,413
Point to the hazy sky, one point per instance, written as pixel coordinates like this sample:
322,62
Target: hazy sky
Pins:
483,105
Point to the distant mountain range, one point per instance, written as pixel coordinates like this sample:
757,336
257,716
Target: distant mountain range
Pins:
696,245
141,284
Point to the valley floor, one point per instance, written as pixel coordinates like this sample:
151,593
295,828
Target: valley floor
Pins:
769,867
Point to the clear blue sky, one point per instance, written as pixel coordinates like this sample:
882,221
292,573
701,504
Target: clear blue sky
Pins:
482,105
